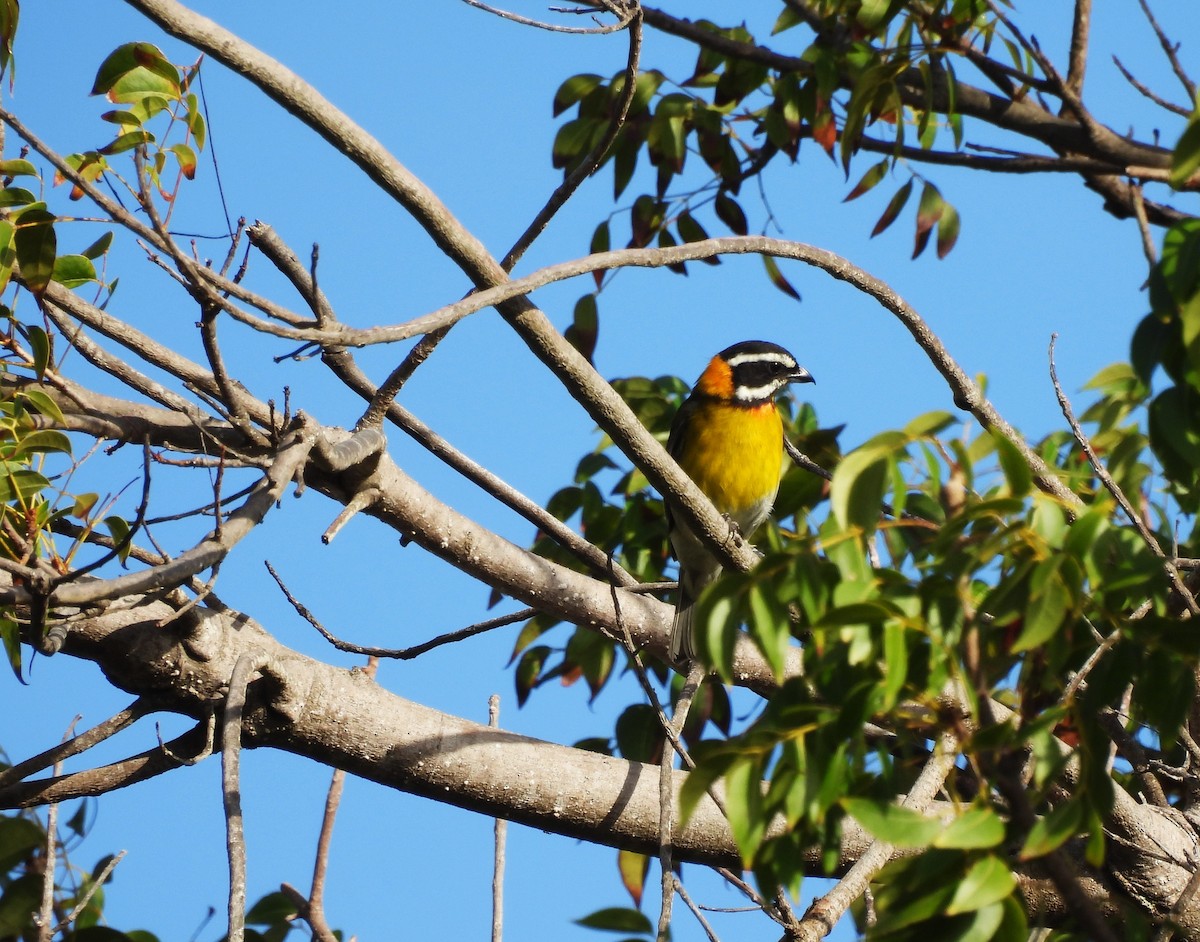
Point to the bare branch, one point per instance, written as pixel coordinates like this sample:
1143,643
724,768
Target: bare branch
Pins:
1077,59
81,743
500,831
1170,49
231,747
1149,93
552,27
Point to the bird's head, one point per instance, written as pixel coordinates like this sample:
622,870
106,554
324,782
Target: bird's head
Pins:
750,373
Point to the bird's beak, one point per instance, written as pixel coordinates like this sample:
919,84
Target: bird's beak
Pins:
800,375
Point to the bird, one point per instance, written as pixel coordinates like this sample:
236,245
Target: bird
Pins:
728,437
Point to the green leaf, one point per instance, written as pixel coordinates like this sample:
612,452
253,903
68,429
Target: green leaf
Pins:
1185,159
730,213
36,247
71,271
135,71
529,669
856,492
118,529
126,118
10,635
18,836
17,168
988,881
39,341
1054,829
195,121
976,828
585,326
1016,469
574,90
617,919
947,230
16,196
929,212
187,159
99,247
744,805
639,733
893,823
42,403
20,485
1046,611
127,141
44,441
273,909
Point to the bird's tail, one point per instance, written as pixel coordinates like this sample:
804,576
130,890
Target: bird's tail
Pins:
683,644
683,629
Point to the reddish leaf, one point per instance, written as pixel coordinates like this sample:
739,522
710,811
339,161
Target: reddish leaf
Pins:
585,328
777,278
929,211
825,132
691,231
947,231
893,208
601,242
868,181
633,868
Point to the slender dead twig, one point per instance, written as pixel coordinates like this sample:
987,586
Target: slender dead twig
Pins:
1139,212
93,885
500,830
1149,93
552,27
1114,489
632,18
73,747
666,797
1170,48
45,915
400,654
231,746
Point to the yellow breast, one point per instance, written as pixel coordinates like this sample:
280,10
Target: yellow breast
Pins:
734,454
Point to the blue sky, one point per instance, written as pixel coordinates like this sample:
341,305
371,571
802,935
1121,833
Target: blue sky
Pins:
463,99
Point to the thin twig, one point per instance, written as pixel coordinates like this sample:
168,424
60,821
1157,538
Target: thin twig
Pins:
1115,490
231,747
73,747
1170,49
45,915
1149,93
500,830
696,911
94,884
400,654
1139,211
666,797
552,27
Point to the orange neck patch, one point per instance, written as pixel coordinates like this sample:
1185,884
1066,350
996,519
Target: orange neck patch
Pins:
716,380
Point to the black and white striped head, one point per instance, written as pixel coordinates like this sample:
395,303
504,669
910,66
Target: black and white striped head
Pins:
750,373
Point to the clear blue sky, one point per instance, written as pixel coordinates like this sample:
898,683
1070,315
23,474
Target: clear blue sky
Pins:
463,99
